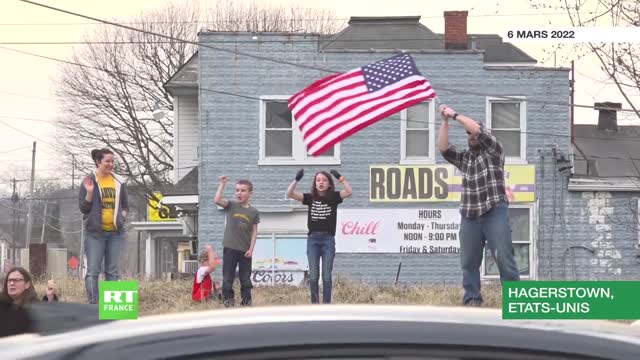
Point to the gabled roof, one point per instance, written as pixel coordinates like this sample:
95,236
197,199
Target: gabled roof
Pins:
188,185
185,77
608,153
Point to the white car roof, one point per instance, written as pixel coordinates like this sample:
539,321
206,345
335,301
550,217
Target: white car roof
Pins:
31,345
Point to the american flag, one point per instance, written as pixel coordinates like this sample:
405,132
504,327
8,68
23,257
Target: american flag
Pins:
340,105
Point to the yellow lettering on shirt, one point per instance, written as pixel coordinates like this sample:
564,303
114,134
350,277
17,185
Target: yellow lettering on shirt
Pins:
242,216
108,195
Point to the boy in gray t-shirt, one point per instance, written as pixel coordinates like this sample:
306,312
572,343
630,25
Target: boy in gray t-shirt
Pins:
239,240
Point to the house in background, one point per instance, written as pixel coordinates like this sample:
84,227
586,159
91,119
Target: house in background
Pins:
605,191
231,117
170,229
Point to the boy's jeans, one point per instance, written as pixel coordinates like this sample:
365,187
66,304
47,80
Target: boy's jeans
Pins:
230,259
494,229
320,245
99,245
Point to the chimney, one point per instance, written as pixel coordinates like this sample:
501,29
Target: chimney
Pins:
455,30
608,116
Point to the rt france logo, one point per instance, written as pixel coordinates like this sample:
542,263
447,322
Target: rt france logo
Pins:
118,300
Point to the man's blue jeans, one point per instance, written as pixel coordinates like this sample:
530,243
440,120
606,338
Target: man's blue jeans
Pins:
320,245
98,246
494,229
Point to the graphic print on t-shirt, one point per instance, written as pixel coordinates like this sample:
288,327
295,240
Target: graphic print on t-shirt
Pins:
108,198
242,221
321,215
320,211
108,201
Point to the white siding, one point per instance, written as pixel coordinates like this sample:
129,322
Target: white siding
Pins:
186,135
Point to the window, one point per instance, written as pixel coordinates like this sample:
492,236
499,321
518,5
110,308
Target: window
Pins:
281,141
279,259
521,219
418,134
508,123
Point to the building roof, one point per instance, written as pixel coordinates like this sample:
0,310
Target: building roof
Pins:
185,77
394,32
407,33
497,51
608,153
380,33
188,185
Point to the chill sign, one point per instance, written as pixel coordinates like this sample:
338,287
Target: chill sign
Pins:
412,231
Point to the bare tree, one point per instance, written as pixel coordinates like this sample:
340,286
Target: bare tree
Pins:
109,92
618,61
109,102
233,15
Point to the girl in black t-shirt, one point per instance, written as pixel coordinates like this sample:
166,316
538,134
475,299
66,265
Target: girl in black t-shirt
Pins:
323,201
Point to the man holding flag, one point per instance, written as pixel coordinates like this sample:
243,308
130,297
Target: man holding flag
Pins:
484,205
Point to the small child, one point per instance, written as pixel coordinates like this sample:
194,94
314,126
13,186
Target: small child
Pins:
239,241
204,288
51,292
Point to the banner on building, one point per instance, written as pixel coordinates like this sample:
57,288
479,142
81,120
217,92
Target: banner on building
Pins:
440,183
410,231
153,213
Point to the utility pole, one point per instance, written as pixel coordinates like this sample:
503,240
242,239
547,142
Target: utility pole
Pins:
81,255
14,201
44,221
30,205
73,171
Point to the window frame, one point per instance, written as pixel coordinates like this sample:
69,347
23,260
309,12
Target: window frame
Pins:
533,255
522,100
416,160
299,156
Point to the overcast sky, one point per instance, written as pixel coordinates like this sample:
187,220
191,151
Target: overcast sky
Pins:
27,82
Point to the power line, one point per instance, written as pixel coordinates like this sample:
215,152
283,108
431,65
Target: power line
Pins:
48,216
110,72
298,65
44,199
543,102
30,135
291,19
201,43
235,52
25,95
27,119
12,150
169,22
46,57
45,179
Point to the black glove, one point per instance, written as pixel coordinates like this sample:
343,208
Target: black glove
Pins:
336,174
300,174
